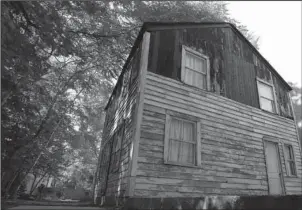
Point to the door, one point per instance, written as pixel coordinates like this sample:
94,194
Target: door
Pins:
275,181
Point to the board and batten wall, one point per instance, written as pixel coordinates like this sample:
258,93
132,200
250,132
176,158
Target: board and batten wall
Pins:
232,151
234,65
120,112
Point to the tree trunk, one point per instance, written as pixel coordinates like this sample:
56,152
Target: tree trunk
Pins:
5,98
3,173
49,139
96,178
40,154
37,183
94,186
48,181
10,183
49,110
32,185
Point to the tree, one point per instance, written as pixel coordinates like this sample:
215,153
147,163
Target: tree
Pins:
60,61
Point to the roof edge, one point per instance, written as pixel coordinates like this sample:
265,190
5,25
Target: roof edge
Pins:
132,51
261,56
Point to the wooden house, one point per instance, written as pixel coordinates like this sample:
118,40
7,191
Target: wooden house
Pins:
196,111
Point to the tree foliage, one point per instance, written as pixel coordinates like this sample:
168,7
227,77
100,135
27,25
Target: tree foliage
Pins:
60,60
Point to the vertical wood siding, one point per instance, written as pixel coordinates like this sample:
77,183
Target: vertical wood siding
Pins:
120,112
233,64
232,152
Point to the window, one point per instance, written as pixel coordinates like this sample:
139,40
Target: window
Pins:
289,160
195,68
181,145
266,96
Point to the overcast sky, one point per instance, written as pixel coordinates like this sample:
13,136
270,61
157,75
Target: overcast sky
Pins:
278,24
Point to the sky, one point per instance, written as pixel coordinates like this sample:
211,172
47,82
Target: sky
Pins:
278,24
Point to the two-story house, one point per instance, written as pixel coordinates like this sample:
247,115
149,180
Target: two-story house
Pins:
197,111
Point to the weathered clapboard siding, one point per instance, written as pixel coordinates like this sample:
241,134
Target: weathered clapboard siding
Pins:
117,182
232,108
228,114
120,112
234,65
232,135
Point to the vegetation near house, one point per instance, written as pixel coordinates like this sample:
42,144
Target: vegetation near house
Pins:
60,63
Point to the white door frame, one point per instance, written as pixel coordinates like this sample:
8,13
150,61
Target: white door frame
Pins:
276,143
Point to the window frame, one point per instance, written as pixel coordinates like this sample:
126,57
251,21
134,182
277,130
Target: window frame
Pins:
274,100
293,160
198,54
197,136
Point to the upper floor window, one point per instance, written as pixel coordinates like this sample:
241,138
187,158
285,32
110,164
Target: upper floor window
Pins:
266,96
181,140
195,68
289,160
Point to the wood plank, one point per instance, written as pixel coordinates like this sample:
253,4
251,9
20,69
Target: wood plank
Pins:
293,185
156,101
212,133
240,158
198,104
154,48
152,142
243,186
219,153
155,194
190,110
139,111
152,129
200,177
209,164
148,153
203,174
152,148
198,156
157,79
211,142
293,189
178,182
198,189
150,193
212,108
148,135
225,141
222,138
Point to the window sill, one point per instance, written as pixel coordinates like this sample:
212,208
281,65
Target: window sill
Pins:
291,176
274,113
194,87
182,165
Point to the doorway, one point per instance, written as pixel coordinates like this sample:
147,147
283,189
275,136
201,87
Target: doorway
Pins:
273,167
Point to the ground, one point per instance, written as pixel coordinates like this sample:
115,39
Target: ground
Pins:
26,207
58,205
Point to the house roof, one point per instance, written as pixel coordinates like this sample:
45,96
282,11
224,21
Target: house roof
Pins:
154,26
